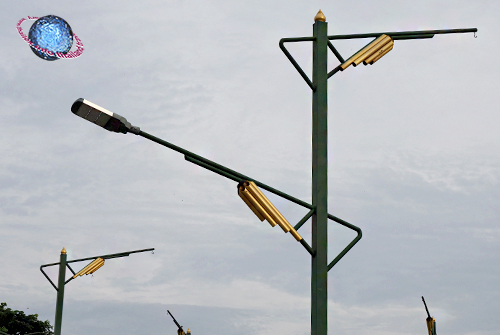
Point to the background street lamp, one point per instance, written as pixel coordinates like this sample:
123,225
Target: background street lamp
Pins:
97,262
369,54
383,43
180,331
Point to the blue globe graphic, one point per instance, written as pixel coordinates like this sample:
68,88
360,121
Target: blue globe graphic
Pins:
51,33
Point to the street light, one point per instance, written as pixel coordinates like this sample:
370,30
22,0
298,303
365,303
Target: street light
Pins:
101,116
382,43
318,209
248,188
97,262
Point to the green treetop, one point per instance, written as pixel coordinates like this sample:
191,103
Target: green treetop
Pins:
15,322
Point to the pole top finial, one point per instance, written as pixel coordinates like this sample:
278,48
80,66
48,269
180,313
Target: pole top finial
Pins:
189,331
320,17
63,251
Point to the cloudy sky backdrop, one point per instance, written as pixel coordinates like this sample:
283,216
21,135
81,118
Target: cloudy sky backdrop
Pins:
414,153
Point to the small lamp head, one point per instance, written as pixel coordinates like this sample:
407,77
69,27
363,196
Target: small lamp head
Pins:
101,116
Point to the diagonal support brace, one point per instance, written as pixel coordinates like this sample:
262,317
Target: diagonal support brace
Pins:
350,245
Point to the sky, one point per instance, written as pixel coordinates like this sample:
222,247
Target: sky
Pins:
414,161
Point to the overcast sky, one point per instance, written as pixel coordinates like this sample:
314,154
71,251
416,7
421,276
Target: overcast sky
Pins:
414,161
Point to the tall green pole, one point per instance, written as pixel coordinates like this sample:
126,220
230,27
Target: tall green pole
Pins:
60,292
319,280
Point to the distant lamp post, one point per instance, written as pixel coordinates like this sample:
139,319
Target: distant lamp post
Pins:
180,331
97,262
430,321
248,188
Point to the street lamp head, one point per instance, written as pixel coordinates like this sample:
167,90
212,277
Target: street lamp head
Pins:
102,117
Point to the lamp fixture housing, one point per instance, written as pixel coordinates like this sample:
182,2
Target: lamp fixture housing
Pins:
102,117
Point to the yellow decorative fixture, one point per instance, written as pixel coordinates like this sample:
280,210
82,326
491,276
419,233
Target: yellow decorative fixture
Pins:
263,208
91,268
371,53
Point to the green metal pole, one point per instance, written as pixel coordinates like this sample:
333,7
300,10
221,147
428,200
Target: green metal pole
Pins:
60,293
319,280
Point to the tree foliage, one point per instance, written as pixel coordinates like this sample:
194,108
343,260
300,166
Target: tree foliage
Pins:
17,323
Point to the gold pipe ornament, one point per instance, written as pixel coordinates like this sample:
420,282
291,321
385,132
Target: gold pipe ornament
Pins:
382,54
90,268
381,50
295,234
258,206
371,49
249,204
263,208
268,206
375,46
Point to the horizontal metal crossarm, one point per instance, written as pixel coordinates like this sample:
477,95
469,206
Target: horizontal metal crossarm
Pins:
399,35
403,35
220,169
350,245
412,37
228,175
117,255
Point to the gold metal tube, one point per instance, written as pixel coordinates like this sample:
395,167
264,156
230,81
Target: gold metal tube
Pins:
86,270
249,204
92,267
379,52
283,219
292,230
373,50
96,267
268,206
82,271
77,274
259,207
276,211
295,234
362,51
381,55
